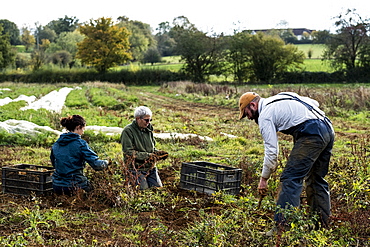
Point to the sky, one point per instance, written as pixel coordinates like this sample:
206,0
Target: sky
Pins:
207,15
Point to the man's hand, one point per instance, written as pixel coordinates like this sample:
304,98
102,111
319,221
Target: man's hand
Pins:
262,187
262,190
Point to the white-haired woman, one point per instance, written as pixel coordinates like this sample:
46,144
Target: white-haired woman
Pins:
138,146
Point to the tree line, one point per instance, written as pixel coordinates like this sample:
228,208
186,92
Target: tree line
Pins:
102,44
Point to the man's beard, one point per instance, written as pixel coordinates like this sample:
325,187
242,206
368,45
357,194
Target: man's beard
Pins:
255,115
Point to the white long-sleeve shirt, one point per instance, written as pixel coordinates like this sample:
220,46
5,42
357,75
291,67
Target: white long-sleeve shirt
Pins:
278,116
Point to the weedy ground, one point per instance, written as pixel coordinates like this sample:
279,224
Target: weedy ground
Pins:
116,214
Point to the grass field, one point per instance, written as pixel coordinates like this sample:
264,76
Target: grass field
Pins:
317,65
314,64
317,50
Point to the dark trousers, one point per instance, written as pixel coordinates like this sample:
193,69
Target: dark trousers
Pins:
70,191
309,161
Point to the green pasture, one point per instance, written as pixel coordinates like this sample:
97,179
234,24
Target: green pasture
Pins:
317,65
316,50
313,64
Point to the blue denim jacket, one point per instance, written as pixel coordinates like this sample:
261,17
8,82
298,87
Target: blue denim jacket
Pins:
69,155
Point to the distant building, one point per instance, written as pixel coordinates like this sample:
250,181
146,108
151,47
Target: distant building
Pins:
298,32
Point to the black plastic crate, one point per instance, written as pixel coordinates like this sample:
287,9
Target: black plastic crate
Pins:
25,179
209,177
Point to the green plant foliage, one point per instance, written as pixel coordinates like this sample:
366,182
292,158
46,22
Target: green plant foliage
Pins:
115,213
77,98
100,97
42,139
7,55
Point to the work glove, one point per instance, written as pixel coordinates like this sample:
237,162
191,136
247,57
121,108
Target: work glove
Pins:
161,155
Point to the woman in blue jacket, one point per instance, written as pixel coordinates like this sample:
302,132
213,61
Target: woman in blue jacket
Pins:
69,155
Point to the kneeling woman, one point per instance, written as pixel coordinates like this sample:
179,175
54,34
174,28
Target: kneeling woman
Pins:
69,155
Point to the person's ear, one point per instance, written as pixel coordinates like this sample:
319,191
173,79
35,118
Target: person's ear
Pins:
253,105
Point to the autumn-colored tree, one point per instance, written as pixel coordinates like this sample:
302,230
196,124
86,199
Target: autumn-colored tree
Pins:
28,40
105,45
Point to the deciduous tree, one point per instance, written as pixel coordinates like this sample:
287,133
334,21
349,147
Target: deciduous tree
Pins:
350,46
269,56
320,37
165,43
61,58
66,24
67,41
38,56
105,45
11,29
28,40
237,56
202,54
152,56
7,54
141,37
43,33
261,57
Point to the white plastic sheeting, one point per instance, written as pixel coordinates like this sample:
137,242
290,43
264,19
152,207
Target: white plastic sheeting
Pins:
180,136
118,131
53,101
105,130
21,126
28,99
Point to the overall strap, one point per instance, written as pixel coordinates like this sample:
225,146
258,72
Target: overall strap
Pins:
310,107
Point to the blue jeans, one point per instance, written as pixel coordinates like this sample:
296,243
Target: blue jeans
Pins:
309,161
147,179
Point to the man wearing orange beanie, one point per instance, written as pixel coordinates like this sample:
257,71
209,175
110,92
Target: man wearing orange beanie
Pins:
309,159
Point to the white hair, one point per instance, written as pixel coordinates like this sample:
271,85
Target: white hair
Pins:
141,111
